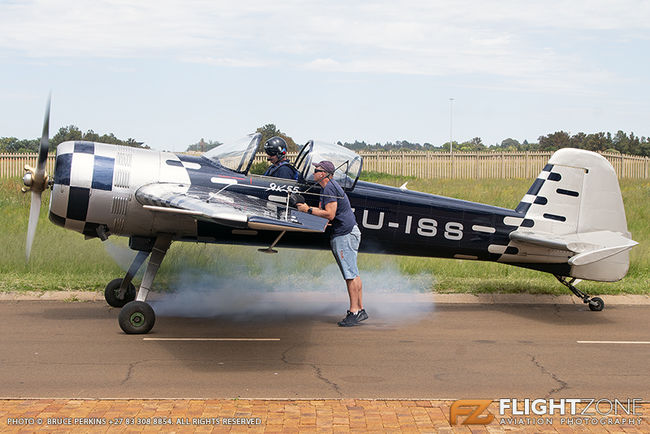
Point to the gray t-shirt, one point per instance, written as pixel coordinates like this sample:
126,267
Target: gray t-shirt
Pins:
344,220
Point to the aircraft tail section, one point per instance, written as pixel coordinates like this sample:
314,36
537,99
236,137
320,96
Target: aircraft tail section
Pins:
573,214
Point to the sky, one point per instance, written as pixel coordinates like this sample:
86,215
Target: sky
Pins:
169,73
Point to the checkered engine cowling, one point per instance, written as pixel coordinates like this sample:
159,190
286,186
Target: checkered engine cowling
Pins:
83,171
94,184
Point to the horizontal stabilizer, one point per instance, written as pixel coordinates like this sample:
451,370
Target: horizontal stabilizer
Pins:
589,247
598,255
546,240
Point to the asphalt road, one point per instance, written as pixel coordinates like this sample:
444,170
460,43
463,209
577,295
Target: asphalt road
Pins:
55,349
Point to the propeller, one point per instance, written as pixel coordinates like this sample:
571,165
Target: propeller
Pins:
36,180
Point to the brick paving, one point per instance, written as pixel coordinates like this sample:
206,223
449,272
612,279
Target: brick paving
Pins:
274,416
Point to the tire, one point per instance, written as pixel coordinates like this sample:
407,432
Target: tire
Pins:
596,304
136,317
112,290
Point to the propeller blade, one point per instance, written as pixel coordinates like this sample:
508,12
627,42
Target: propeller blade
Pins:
45,143
34,211
35,180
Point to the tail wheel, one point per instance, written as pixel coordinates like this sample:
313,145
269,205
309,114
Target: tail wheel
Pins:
136,317
112,292
596,304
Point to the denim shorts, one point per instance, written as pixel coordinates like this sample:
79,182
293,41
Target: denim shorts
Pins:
345,248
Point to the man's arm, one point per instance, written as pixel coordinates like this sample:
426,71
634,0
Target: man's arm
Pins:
329,212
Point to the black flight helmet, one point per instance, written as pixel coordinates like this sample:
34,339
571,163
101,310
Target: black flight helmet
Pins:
276,146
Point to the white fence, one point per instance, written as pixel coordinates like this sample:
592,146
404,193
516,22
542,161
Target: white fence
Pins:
470,165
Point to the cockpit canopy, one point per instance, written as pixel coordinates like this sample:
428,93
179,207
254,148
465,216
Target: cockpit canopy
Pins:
238,156
347,162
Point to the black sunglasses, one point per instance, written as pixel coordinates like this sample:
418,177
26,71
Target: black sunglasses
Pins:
319,170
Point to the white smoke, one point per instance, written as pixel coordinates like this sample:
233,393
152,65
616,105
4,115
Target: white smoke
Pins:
280,287
122,255
242,283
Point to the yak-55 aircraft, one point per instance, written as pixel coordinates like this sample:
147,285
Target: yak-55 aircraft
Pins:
571,222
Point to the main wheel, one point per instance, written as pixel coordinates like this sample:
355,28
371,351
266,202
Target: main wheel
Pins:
596,304
136,317
112,291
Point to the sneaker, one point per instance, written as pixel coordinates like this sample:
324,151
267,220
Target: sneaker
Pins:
362,315
350,320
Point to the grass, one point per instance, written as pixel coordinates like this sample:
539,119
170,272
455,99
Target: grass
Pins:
63,260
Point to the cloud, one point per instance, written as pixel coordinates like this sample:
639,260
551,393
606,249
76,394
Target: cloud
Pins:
522,40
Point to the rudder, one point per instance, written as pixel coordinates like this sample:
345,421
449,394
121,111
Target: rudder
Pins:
576,199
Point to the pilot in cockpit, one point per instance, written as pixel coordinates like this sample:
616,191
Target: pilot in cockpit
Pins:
276,149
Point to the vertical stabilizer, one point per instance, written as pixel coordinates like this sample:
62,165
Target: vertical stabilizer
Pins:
575,202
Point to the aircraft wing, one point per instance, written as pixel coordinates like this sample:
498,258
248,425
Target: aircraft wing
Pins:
226,208
588,247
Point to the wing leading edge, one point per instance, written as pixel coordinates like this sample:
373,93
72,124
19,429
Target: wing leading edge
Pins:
226,208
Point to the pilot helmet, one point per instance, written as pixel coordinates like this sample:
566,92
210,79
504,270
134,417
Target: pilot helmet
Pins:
276,146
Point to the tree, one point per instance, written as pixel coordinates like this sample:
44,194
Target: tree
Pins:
621,142
645,147
92,136
510,144
72,132
357,146
445,146
64,134
596,142
203,146
476,144
12,145
555,141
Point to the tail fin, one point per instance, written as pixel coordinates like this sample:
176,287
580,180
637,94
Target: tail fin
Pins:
574,212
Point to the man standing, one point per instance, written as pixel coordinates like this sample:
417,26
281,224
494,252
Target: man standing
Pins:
345,237
276,149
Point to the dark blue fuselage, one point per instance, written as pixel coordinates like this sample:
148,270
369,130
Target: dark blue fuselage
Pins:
392,220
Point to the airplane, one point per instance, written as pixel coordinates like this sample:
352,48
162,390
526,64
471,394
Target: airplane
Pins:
571,222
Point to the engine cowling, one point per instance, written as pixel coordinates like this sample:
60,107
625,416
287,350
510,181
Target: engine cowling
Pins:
95,184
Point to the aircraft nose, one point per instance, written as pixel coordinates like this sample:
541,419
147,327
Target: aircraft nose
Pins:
28,180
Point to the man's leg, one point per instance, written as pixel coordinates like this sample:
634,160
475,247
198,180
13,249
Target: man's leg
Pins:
355,292
345,250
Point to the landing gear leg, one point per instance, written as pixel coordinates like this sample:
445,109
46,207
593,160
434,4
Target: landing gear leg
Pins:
595,303
119,292
137,317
